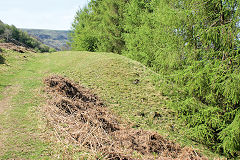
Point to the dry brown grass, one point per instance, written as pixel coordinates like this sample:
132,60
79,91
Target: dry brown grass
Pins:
79,117
17,48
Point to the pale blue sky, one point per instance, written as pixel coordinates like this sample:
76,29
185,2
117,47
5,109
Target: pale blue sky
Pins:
40,14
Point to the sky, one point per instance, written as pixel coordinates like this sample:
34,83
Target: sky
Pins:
40,14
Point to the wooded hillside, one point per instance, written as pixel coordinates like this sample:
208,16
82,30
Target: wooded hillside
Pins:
193,44
18,37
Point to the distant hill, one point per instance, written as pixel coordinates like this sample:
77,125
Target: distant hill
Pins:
53,38
14,38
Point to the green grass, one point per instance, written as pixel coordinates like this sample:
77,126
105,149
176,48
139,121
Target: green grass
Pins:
112,77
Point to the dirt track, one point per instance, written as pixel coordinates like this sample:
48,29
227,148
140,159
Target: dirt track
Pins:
83,119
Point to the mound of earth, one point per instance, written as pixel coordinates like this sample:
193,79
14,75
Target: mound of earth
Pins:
14,47
83,119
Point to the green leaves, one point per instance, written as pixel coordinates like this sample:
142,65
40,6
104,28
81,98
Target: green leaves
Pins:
230,136
99,27
209,104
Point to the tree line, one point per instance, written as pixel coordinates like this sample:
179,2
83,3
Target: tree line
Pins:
194,44
12,34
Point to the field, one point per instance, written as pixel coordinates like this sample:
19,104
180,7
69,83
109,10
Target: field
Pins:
127,89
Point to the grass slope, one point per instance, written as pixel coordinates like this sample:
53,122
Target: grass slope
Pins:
126,86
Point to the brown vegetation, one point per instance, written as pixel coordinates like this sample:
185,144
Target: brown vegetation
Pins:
78,115
14,47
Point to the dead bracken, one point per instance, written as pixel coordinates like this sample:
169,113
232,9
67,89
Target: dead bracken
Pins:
17,48
84,120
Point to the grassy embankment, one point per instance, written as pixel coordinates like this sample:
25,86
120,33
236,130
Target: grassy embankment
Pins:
126,86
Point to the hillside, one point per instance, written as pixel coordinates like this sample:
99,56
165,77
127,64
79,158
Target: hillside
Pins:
122,88
53,38
133,80
193,44
13,38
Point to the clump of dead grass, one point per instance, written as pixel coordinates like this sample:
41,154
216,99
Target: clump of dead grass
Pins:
81,118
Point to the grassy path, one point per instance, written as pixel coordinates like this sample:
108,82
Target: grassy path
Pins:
21,128
126,86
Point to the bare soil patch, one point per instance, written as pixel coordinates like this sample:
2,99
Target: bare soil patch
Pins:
82,119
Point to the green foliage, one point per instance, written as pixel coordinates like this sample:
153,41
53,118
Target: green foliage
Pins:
150,34
230,136
209,102
2,28
84,37
193,43
99,27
